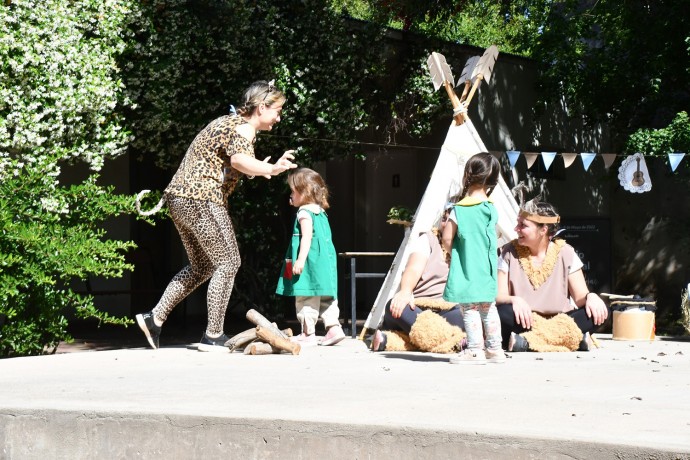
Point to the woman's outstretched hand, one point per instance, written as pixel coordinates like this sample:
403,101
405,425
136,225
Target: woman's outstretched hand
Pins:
283,164
254,167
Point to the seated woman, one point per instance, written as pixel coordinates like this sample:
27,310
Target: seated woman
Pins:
417,317
543,300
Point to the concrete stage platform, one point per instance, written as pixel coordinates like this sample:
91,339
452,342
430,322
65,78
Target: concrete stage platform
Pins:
624,400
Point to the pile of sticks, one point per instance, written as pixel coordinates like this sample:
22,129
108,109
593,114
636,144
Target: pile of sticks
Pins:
264,339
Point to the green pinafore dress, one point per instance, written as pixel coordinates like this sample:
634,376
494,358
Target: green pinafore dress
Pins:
320,274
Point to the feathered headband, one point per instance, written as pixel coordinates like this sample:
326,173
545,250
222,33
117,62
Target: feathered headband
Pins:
520,189
539,219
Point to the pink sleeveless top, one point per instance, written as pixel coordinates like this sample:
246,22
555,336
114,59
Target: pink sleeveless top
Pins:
435,274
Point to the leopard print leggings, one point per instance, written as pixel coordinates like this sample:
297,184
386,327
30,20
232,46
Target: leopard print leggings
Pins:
209,239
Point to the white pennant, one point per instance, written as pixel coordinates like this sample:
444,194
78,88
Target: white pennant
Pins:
513,156
674,159
587,159
548,158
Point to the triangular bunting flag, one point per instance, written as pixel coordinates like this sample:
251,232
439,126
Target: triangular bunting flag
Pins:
548,158
568,158
609,158
531,158
513,156
587,159
674,159
496,154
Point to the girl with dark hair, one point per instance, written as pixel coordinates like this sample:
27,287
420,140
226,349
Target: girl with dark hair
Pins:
470,237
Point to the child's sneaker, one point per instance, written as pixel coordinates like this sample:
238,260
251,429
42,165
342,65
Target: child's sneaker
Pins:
148,326
212,344
304,339
587,344
295,338
495,356
461,345
378,343
517,343
469,356
334,335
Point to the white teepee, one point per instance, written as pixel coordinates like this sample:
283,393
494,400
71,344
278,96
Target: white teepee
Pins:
462,141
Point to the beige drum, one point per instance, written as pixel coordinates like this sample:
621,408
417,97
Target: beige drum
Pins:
634,324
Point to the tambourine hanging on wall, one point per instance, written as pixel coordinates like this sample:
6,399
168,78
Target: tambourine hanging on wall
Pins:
634,175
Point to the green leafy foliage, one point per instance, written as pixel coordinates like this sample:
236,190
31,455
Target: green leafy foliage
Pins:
186,63
411,107
46,243
181,76
513,26
400,213
674,138
627,67
59,99
623,66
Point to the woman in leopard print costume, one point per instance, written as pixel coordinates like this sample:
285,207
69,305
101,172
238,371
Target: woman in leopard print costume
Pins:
197,198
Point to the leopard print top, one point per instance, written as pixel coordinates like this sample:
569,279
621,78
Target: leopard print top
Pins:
205,172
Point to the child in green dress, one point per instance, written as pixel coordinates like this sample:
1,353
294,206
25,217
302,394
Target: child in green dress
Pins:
310,271
470,238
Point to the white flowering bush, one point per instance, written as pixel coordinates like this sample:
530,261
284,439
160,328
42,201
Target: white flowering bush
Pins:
61,101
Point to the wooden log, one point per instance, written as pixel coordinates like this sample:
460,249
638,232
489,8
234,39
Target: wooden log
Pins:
241,339
247,349
260,348
267,335
260,320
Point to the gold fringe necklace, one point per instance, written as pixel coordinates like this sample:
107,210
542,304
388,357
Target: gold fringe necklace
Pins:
538,275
